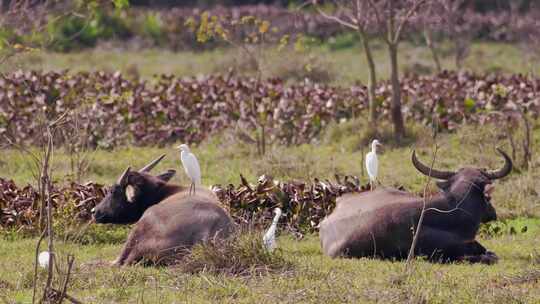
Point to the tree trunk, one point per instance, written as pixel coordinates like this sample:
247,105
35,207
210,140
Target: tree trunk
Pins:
372,82
434,54
397,117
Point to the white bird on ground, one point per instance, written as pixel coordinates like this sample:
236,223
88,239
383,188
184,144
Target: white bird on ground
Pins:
43,259
372,164
269,238
191,166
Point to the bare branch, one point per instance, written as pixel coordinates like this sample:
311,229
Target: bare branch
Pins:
378,18
36,266
375,11
70,260
404,20
333,18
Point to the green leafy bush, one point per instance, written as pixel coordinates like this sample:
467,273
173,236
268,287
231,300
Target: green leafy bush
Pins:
509,226
152,27
75,32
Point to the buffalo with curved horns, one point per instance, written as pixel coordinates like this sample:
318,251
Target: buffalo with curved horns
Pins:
380,223
169,220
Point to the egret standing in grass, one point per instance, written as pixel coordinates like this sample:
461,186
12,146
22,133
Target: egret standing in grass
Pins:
269,238
191,166
43,259
372,164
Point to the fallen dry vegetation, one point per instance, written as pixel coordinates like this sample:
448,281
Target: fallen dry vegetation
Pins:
304,204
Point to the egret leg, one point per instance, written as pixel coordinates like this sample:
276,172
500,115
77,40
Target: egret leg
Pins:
192,188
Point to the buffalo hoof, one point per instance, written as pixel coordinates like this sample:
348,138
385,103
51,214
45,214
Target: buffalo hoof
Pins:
115,263
488,258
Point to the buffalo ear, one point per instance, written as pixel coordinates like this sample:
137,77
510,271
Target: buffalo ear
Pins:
134,183
443,185
131,193
166,176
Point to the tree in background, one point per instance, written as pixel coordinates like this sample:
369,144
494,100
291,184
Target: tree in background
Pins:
391,18
356,15
429,26
387,19
255,37
458,24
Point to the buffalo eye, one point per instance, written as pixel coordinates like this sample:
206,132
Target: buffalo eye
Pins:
444,185
116,191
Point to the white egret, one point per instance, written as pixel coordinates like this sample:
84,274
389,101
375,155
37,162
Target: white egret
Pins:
191,166
372,164
43,259
269,238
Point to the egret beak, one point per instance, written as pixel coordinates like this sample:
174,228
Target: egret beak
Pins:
380,146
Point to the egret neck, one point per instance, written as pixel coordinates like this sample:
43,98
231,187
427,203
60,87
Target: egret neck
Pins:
374,147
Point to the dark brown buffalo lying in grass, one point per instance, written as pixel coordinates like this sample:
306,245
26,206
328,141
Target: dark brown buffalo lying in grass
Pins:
169,220
380,223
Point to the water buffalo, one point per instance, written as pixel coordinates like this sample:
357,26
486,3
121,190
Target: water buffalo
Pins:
168,219
380,223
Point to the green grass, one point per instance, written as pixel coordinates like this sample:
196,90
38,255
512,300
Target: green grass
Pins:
339,66
314,278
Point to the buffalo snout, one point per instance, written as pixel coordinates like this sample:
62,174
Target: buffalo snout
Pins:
98,215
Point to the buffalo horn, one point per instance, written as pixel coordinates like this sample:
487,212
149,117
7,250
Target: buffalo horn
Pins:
152,164
430,171
504,171
122,178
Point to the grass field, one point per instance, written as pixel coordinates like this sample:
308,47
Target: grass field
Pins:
341,66
312,278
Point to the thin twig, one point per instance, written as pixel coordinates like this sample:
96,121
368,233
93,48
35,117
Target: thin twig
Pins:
422,214
70,260
36,266
47,189
46,181
527,151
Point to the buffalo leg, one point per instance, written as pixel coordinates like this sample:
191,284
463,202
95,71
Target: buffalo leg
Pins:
129,251
447,246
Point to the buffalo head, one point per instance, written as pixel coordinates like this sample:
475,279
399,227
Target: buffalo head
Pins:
468,188
132,194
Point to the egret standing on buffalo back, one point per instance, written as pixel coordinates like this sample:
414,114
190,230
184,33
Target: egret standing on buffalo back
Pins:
191,166
372,164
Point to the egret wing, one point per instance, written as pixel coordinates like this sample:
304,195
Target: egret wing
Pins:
372,165
269,238
191,166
